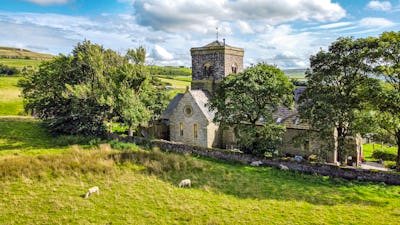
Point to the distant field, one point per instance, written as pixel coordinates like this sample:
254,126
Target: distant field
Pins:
20,63
176,83
170,71
7,52
10,100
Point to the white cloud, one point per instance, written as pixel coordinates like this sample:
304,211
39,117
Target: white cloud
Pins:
333,25
372,22
49,2
244,27
160,53
379,6
203,16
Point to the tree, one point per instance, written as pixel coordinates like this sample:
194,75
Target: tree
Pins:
386,53
79,94
338,89
246,102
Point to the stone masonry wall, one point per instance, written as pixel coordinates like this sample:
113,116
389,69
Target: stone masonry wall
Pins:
392,178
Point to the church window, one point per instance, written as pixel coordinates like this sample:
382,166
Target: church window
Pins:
207,69
187,111
195,131
234,68
181,128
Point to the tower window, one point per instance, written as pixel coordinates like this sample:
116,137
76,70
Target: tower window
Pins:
195,131
207,70
234,68
181,128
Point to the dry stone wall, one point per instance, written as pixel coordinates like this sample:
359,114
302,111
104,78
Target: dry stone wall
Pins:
392,178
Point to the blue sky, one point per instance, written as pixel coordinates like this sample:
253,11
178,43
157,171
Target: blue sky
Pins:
280,32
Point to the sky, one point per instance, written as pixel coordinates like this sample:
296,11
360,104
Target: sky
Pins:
279,32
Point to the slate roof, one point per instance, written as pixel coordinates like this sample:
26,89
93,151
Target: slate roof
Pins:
171,106
201,98
289,116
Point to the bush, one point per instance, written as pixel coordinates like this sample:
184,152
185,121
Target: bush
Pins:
379,154
390,164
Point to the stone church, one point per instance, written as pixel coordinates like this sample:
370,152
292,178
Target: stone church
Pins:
188,120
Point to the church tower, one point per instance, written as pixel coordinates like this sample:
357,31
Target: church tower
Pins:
211,63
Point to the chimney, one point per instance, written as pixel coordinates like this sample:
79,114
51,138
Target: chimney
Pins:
224,41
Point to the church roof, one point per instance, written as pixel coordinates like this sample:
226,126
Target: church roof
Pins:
290,117
215,44
201,98
171,106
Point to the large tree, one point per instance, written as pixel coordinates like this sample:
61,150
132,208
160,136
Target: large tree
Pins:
338,89
246,102
78,94
386,54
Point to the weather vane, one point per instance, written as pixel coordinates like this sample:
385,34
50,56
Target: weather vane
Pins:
217,32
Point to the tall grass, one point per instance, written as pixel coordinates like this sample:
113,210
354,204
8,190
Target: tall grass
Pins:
140,187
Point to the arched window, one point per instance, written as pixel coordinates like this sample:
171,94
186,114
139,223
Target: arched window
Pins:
234,68
207,70
181,128
195,131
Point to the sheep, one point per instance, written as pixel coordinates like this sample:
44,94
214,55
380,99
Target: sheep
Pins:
256,163
92,190
185,183
235,150
283,167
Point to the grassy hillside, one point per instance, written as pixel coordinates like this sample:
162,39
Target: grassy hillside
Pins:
43,179
8,52
10,100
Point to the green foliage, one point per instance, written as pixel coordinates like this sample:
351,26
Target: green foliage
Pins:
6,70
379,154
91,88
338,89
246,101
385,56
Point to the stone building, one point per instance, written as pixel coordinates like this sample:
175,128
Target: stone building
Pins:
187,119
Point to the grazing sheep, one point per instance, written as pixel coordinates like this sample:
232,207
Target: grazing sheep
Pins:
185,183
92,190
235,150
283,167
256,163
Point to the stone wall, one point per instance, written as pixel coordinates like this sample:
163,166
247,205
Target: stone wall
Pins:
392,178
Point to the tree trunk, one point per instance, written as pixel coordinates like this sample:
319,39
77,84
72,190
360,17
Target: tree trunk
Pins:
398,151
130,133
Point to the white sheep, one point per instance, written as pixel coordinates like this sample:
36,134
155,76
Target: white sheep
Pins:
185,183
92,190
283,167
256,163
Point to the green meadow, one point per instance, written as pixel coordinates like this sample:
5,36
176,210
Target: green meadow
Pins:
10,100
44,179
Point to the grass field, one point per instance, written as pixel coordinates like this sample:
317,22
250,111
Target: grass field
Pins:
368,149
43,180
10,101
20,63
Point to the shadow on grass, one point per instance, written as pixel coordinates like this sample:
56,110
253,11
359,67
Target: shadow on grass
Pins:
254,183
21,134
